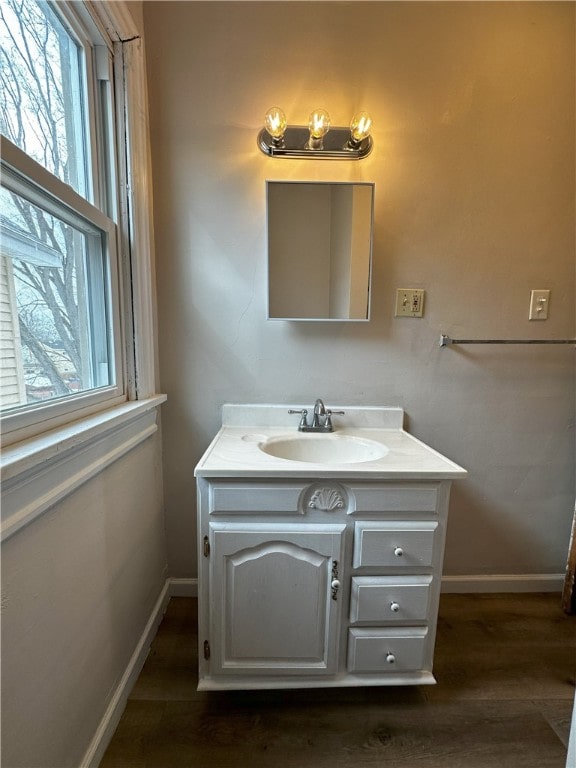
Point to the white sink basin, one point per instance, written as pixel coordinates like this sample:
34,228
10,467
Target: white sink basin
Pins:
262,441
324,448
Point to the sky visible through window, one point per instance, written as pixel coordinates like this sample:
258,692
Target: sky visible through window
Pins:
41,110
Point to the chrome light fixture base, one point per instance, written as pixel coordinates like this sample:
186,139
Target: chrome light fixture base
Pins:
335,145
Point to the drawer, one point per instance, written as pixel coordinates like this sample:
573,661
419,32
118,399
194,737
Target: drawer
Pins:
393,545
379,599
373,499
386,650
257,498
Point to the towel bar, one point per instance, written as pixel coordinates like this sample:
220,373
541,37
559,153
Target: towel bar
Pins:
446,340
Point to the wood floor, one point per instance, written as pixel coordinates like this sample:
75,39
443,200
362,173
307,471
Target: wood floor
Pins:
505,666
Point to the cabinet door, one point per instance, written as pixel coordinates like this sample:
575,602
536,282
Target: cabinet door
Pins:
272,604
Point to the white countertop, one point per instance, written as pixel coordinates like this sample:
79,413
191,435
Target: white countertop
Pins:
235,451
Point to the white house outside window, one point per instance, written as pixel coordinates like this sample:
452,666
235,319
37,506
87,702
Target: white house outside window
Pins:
60,342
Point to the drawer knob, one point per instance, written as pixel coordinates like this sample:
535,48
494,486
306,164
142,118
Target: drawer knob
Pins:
398,551
394,607
335,584
390,658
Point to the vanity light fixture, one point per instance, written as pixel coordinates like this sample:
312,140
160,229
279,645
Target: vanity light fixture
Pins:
318,125
318,140
359,129
275,124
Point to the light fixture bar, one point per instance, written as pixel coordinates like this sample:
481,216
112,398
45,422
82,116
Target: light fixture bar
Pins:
336,144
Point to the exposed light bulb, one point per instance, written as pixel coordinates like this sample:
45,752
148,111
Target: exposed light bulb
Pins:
319,124
360,127
275,123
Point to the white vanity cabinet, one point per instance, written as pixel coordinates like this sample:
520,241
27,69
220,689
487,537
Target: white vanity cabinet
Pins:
270,598
318,582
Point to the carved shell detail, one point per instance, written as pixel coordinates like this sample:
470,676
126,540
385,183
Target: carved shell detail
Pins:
326,499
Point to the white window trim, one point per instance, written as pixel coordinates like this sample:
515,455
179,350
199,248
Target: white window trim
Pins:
40,471
136,177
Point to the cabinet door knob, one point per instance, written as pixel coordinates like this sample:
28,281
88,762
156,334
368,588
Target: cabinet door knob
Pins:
390,658
398,551
394,607
335,584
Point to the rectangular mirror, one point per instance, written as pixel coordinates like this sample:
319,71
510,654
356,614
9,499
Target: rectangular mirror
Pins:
319,250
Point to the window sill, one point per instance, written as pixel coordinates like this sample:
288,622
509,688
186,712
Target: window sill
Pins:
39,472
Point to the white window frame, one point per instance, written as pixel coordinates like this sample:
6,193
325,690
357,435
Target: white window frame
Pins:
59,199
41,467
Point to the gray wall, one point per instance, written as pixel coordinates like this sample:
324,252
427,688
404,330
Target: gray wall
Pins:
78,587
473,108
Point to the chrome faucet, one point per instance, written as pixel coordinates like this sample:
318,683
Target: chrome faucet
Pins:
321,418
319,413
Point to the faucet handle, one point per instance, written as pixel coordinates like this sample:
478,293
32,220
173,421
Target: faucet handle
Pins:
303,414
328,422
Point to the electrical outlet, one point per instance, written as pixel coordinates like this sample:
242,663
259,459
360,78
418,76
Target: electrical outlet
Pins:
539,301
409,302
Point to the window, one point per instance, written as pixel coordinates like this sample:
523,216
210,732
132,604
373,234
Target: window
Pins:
60,342
77,332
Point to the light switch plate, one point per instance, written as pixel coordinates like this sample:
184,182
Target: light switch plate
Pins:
539,302
409,302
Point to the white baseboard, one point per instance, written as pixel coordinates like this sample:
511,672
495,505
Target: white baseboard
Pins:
113,713
521,582
115,708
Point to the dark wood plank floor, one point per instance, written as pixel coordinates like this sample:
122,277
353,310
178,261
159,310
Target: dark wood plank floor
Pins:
505,666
